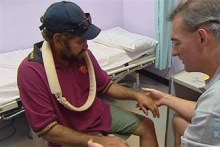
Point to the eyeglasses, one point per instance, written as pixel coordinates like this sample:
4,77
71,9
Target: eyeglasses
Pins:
77,28
86,22
82,26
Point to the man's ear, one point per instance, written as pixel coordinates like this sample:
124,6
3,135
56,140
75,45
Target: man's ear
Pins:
58,41
203,36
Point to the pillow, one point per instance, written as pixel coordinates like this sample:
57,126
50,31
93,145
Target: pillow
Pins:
125,40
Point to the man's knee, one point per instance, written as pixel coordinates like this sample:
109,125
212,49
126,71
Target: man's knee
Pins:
145,127
179,124
176,119
148,122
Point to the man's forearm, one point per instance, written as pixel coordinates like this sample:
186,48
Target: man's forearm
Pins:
120,92
63,135
183,107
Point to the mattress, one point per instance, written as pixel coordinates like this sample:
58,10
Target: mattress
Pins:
9,63
108,58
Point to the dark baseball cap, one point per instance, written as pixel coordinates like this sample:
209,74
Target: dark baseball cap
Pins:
69,17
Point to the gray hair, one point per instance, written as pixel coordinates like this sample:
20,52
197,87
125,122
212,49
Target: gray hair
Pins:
197,13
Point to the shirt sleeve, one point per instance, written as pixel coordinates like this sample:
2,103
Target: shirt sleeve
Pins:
102,79
203,131
188,143
35,96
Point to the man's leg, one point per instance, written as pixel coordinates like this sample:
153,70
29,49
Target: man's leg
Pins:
125,123
146,131
179,126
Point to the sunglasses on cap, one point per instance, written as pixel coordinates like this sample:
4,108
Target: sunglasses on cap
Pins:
77,28
82,26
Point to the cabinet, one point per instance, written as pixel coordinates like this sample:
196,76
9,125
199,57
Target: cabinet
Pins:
186,85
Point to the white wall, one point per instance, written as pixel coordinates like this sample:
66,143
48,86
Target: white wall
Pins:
19,22
139,17
20,19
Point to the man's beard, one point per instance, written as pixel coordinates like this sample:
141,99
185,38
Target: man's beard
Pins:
68,56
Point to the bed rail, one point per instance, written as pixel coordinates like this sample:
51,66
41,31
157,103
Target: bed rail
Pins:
119,73
10,110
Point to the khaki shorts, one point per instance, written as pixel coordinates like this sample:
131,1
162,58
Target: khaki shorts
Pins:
124,123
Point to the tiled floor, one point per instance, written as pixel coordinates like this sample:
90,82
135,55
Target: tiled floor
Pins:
20,130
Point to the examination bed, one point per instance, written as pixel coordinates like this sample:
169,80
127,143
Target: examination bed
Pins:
115,61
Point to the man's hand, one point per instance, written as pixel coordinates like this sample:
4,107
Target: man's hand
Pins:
156,95
94,144
108,141
146,103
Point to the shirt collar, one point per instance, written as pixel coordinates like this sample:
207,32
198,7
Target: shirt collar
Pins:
36,54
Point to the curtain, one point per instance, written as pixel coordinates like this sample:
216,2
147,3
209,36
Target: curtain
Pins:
163,27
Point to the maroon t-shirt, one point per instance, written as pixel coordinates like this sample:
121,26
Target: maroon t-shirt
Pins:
42,108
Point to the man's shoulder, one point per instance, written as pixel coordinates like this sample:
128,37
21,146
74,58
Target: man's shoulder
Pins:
29,67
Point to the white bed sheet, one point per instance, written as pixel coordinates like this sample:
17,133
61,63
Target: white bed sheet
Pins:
110,58
9,63
107,57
